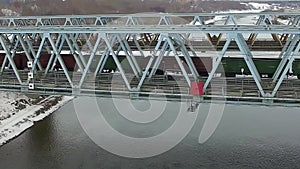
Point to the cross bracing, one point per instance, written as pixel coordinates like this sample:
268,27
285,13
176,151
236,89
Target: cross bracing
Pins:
73,53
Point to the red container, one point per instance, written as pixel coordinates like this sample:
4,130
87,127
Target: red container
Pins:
196,89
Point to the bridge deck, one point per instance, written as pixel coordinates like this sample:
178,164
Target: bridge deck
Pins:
241,88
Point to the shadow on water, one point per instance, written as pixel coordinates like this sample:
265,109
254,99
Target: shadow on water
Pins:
43,141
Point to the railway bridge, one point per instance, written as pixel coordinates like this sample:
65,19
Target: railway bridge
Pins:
241,56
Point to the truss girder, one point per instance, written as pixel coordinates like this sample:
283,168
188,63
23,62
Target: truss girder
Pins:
139,19
88,37
263,21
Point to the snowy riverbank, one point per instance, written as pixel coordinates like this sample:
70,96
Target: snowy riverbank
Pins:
19,112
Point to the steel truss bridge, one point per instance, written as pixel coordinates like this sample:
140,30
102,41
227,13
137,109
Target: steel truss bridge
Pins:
93,39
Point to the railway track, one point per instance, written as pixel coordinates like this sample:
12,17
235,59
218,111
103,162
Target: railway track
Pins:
112,82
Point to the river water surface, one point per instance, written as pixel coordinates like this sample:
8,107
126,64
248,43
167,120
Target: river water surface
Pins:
248,136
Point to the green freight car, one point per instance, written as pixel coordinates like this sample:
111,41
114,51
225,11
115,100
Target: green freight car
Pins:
231,66
296,68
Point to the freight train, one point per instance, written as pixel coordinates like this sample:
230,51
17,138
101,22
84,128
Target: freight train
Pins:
230,66
265,66
21,60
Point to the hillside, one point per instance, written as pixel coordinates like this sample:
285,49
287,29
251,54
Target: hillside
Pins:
76,7
56,7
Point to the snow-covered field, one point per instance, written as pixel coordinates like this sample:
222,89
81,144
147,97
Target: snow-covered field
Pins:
19,112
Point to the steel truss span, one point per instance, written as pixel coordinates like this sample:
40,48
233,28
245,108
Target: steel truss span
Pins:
157,54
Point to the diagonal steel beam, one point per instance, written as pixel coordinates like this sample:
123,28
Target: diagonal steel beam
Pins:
73,51
53,58
128,49
30,48
71,37
145,73
128,56
26,51
287,67
248,59
61,61
11,60
105,56
38,54
115,57
285,56
160,56
92,55
12,54
187,57
178,60
138,45
217,63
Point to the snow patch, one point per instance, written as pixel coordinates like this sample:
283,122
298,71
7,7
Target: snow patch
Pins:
9,12
15,119
262,6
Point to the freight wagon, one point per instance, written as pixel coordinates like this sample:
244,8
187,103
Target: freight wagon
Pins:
230,66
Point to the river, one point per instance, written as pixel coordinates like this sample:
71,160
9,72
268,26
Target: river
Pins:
248,136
